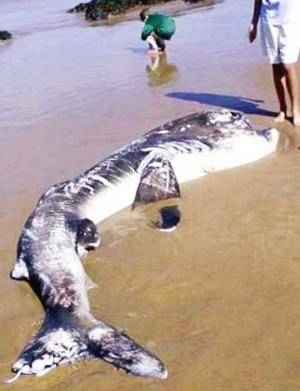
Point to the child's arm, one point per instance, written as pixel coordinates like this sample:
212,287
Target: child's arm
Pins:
254,21
148,29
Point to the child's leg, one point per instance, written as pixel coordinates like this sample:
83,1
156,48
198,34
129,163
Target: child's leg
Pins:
152,43
279,83
160,43
293,90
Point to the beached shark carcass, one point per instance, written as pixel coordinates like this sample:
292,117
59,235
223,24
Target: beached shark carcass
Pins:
62,229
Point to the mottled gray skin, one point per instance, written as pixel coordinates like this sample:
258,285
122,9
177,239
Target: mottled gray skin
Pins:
58,234
48,258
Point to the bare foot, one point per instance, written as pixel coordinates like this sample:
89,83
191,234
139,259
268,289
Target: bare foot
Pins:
280,117
296,119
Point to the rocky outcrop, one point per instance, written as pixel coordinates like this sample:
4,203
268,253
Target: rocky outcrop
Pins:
93,10
4,35
101,9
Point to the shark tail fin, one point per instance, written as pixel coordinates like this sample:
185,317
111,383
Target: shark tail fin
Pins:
122,352
64,339
60,341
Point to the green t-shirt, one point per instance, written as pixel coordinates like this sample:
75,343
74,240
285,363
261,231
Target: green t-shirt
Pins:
163,26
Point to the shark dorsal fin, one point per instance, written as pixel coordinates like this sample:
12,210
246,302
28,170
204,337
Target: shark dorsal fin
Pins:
158,181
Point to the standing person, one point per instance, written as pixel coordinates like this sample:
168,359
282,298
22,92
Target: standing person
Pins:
280,35
157,29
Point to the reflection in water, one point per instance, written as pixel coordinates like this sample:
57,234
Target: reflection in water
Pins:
160,71
5,44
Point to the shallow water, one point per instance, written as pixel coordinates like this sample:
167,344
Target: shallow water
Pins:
218,299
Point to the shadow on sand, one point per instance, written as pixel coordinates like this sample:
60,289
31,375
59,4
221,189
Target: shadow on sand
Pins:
237,103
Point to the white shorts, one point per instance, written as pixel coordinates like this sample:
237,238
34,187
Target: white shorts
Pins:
281,44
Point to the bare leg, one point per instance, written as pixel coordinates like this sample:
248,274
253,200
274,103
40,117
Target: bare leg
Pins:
152,43
160,43
279,82
293,90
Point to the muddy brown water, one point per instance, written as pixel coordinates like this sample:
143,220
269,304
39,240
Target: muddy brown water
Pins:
218,299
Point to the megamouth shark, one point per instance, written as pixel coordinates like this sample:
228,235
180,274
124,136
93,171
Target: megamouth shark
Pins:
63,228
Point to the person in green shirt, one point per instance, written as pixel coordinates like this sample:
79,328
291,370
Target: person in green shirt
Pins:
157,29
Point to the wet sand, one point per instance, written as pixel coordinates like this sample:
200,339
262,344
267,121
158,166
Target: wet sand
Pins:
218,299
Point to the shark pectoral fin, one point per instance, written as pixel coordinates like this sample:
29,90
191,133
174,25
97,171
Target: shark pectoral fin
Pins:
122,352
158,182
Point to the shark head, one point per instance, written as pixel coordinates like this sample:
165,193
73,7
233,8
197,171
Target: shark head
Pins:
235,141
237,124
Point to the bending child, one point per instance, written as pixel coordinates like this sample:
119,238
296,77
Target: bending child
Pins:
157,29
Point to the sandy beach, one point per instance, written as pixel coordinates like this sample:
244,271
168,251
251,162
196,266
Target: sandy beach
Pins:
218,299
